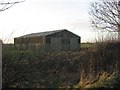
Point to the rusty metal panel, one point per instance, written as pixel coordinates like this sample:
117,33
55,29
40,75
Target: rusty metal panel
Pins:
29,41
36,40
18,40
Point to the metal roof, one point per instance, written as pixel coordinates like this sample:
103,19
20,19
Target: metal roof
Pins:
44,34
41,33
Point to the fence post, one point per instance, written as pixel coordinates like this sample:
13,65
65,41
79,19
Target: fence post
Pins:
0,64
119,20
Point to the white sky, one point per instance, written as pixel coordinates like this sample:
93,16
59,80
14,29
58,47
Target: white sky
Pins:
34,16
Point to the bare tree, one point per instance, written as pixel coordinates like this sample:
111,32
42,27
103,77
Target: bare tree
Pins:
105,15
6,4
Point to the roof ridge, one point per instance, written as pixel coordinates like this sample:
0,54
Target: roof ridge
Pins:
45,33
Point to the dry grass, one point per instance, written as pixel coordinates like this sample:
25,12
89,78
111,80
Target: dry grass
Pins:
92,66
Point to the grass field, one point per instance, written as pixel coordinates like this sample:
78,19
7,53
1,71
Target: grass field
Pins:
87,45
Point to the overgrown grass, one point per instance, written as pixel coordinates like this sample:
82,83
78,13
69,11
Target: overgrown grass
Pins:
91,67
104,57
106,80
25,68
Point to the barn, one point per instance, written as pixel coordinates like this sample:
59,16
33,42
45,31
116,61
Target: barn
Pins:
57,40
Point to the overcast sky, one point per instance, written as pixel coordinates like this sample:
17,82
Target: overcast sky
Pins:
34,16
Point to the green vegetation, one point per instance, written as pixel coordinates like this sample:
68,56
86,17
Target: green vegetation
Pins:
87,45
95,67
28,69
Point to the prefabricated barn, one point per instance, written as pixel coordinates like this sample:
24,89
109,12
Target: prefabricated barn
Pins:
58,40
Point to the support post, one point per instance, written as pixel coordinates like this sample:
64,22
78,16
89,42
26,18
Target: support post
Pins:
0,64
119,20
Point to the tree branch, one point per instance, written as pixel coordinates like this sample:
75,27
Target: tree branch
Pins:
7,5
3,3
105,15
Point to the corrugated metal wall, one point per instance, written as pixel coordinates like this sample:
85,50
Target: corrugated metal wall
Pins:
74,43
29,42
61,41
63,44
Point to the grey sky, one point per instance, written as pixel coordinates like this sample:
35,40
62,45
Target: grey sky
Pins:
43,15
